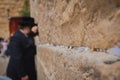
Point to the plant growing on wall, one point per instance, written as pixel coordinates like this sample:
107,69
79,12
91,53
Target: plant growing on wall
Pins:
26,9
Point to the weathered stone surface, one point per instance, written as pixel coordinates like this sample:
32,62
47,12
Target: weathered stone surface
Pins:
78,22
75,23
58,63
15,7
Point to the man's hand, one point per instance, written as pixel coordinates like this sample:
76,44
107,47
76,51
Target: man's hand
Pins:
25,78
34,29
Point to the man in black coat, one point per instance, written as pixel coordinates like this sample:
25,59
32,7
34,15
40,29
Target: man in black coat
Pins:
22,52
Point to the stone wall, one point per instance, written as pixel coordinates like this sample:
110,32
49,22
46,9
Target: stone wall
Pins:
59,63
15,7
66,23
78,22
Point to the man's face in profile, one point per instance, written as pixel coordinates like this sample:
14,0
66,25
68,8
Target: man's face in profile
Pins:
27,30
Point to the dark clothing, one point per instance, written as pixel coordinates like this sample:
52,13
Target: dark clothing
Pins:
22,52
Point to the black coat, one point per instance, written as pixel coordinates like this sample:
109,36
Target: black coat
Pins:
22,52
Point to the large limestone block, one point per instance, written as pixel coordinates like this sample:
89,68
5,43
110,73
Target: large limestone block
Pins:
93,23
59,63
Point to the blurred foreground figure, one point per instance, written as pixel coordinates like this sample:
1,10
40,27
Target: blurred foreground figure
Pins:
4,78
22,52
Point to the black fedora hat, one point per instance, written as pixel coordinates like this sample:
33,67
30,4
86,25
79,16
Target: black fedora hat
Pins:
27,21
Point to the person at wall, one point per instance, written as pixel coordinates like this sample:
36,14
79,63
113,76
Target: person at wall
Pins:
22,52
4,47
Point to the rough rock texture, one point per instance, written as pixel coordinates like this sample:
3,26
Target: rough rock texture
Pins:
95,24
78,22
15,7
59,63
